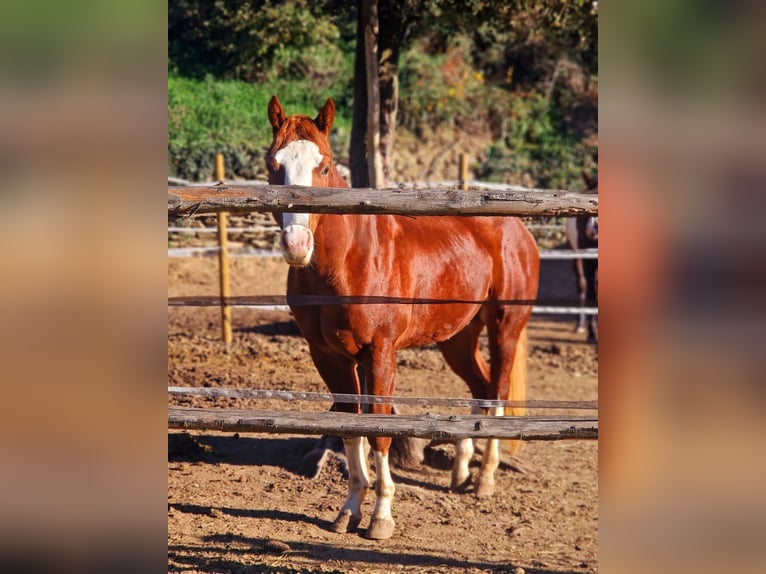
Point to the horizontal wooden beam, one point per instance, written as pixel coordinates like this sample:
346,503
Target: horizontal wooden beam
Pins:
189,200
445,427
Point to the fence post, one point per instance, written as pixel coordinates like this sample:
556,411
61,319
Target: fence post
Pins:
463,175
223,260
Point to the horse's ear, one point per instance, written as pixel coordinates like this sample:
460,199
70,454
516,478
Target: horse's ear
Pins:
326,116
276,114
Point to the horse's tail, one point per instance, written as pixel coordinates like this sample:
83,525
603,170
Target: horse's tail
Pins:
518,390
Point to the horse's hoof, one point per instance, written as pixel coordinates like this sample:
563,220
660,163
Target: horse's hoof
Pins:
460,485
380,529
345,522
484,488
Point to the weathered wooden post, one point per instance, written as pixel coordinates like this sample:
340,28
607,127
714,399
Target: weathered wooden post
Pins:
223,261
463,175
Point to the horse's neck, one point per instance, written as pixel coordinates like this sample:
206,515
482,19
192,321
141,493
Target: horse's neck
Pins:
334,237
338,240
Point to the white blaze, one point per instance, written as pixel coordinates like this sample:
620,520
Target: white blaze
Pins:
299,159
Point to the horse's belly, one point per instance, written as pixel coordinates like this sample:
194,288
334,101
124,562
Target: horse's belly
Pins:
407,325
435,323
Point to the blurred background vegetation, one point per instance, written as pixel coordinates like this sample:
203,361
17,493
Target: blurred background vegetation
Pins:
525,71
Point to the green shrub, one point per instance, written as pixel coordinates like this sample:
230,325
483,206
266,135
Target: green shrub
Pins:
439,89
533,149
243,40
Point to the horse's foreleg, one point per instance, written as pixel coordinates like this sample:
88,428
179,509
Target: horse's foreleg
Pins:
380,369
382,522
358,484
339,373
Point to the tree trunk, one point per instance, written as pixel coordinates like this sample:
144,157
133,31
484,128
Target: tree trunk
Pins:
389,103
360,176
394,21
371,31
393,25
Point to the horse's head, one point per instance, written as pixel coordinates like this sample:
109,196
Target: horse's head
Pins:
300,155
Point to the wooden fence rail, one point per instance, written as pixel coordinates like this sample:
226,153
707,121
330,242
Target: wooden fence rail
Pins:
191,200
430,426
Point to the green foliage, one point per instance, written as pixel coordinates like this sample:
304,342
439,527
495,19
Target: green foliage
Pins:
519,43
251,40
441,88
542,140
534,150
211,116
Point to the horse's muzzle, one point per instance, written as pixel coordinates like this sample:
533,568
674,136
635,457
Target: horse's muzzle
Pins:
297,244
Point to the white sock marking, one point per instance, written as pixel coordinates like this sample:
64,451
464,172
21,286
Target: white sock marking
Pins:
384,488
358,476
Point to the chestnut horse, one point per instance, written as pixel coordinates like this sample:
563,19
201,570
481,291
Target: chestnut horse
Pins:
582,233
482,262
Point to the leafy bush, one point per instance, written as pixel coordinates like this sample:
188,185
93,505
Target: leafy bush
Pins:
238,39
537,141
440,88
534,150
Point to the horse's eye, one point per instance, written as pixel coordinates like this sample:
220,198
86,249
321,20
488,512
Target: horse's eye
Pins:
325,171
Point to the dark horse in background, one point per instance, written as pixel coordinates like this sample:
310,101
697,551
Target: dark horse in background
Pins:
477,265
582,233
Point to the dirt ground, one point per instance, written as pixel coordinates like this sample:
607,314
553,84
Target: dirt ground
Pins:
243,503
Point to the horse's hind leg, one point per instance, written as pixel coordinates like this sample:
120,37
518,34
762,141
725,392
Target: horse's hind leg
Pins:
591,278
340,376
505,329
462,354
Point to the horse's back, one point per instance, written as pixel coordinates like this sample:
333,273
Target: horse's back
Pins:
461,257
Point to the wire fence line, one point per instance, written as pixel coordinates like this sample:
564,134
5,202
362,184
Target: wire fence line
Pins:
376,400
283,302
230,230
274,227
257,252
